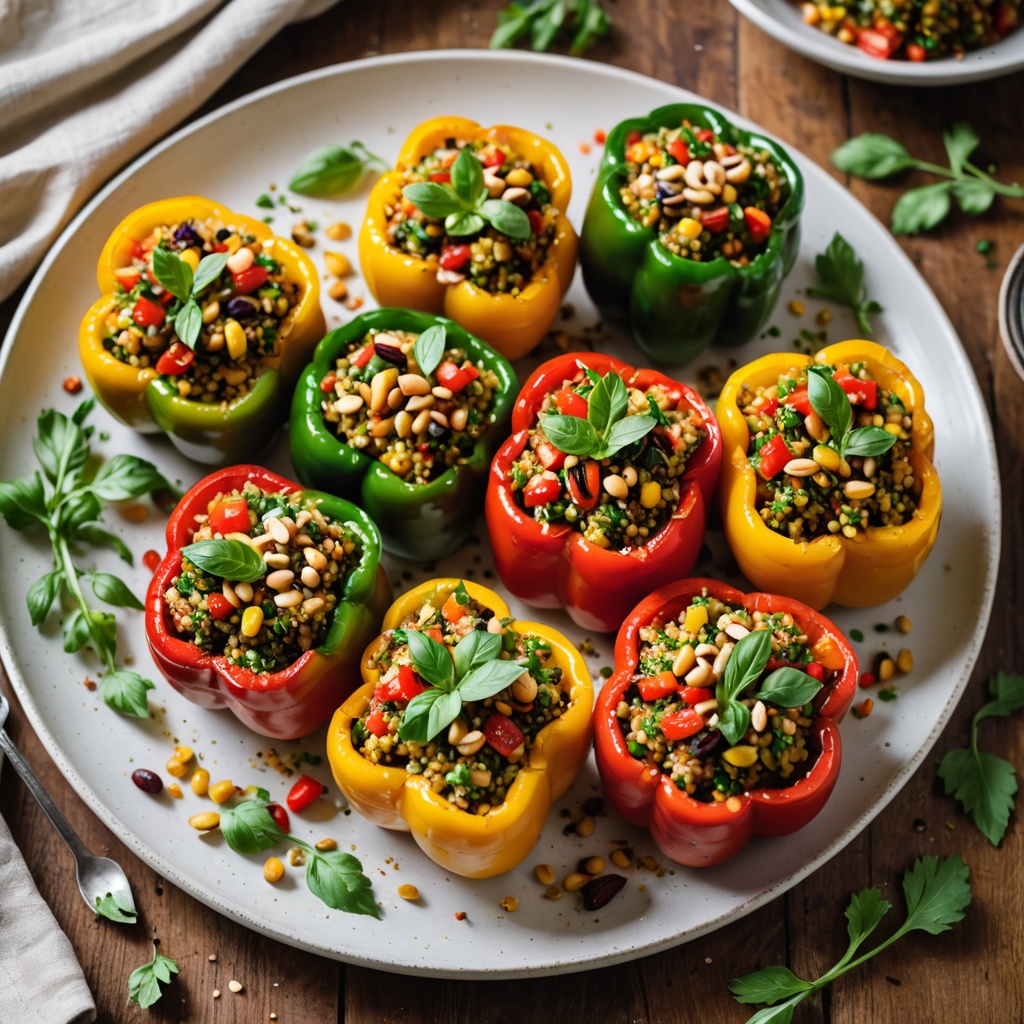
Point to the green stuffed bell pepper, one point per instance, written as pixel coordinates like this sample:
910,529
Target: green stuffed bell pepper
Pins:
692,227
402,412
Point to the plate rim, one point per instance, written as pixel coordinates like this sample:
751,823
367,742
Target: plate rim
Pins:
609,957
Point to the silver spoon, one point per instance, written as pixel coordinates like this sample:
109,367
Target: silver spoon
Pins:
97,876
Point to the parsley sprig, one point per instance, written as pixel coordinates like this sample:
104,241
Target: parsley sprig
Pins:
841,280
936,892
117,906
983,783
174,274
608,427
465,204
585,21
144,982
66,498
874,155
831,403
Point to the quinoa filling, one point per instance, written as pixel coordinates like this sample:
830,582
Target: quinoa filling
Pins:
267,623
669,714
473,761
417,422
705,197
806,487
245,312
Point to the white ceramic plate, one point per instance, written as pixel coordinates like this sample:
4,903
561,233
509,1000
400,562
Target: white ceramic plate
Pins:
782,20
234,155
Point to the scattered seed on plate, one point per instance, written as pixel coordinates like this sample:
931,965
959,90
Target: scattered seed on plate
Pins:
408,891
235,986
509,903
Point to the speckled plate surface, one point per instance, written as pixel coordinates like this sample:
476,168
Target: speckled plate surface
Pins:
782,20
234,156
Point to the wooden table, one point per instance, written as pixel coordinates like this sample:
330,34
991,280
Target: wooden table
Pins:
974,971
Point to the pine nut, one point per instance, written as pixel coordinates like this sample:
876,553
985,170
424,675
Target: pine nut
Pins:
349,404
413,384
310,577
281,579
615,485
277,530
759,716
684,661
289,599
315,558
204,821
858,490
575,881
470,743
800,467
545,874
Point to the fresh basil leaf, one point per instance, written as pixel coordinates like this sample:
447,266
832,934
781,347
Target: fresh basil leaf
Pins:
960,140
328,171
591,22
143,982
745,664
513,23
626,431
863,915
432,198
488,679
103,538
507,218
95,629
973,195
337,879
41,595
60,444
443,712
463,223
82,411
431,660
872,156
188,323
782,1013
428,349
788,688
937,892
117,906
865,441
126,476
173,273
79,508
474,649
920,209
112,590
660,418
22,501
209,270
248,827
417,716
608,402
733,719
546,26
461,594
768,986
468,177
984,785
229,559
125,691
570,434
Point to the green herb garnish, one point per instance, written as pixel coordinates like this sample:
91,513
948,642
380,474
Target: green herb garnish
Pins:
177,277
873,156
428,349
608,427
144,982
831,403
333,170
543,20
936,891
841,280
117,906
474,670
229,559
65,499
982,783
465,204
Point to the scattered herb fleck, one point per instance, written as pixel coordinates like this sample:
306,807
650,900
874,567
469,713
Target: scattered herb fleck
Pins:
856,634
265,202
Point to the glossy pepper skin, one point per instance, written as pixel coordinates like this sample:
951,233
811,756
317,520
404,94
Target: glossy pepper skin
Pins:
143,400
416,521
472,845
552,565
865,570
512,324
690,831
296,700
676,306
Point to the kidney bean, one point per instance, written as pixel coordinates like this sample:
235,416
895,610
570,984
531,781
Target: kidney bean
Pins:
147,781
598,891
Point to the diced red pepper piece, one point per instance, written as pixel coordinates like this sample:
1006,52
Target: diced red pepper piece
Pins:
362,357
679,151
453,610
541,490
220,607
375,723
455,257
327,384
280,816
1004,21
861,392
774,454
502,734
536,219
878,44
230,516
799,400
759,224
135,249
435,634
128,277
402,686
549,456
304,792
661,685
716,221
916,53
705,135
681,724
815,670
453,377
147,313
584,482
494,157
633,137
571,403
769,406
247,281
441,177
694,695
177,359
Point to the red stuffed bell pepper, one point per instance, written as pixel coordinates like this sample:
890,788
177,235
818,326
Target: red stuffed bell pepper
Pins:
684,750
600,494
265,603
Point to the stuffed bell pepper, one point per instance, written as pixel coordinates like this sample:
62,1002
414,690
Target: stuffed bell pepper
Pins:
472,223
828,491
720,722
601,493
206,321
265,600
402,412
690,230
468,726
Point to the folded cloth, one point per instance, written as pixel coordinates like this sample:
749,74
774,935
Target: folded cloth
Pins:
85,85
41,981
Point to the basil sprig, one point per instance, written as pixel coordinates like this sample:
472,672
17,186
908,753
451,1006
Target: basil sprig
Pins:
229,559
174,274
831,403
785,688
333,170
428,349
465,204
607,429
474,670
841,280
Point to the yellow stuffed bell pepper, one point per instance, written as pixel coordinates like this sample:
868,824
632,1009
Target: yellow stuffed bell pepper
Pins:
260,320
877,515
428,263
420,748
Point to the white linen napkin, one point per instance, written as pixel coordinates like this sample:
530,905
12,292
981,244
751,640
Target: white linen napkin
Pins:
85,85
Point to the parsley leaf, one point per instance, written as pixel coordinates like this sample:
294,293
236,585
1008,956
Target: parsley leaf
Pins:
117,906
841,280
144,982
544,21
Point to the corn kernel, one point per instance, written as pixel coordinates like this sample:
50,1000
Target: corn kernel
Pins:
183,754
221,791
326,844
200,782
273,870
176,768
904,661
234,335
689,228
797,308
742,756
650,494
827,458
175,790
545,874
408,891
903,624
338,231
338,264
575,881
509,904
886,669
696,618
252,620
191,257
620,858
204,821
